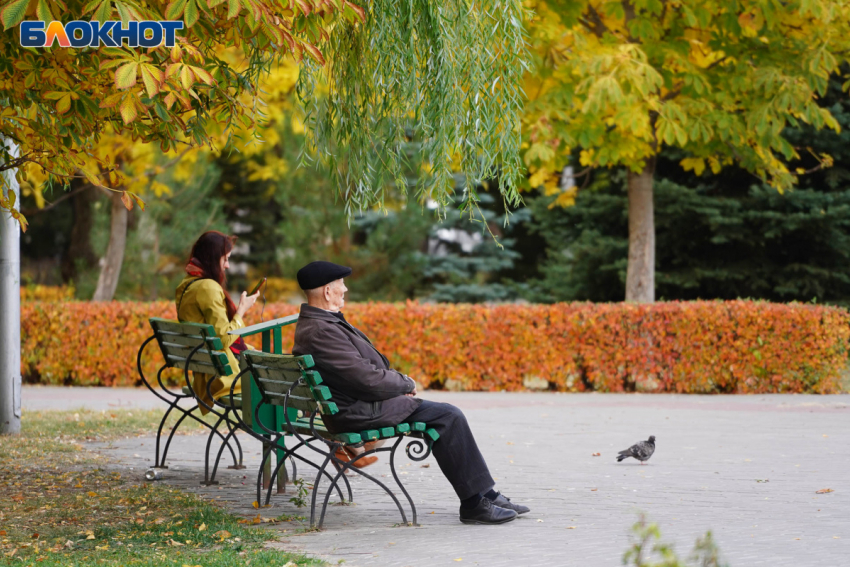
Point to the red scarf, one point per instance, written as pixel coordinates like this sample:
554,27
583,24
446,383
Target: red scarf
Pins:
193,268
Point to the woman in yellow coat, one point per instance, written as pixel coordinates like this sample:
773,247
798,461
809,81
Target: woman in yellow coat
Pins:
201,298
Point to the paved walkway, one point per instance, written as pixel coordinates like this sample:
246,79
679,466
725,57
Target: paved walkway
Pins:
745,467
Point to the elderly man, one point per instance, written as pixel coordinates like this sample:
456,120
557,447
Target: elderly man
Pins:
370,394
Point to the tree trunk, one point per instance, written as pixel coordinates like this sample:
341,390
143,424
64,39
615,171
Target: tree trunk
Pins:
79,244
114,258
640,277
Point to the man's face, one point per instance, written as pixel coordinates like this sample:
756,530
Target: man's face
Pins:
335,295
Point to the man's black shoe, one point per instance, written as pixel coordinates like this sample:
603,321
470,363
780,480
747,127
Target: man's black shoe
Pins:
486,513
503,501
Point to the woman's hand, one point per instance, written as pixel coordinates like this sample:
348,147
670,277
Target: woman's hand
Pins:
246,302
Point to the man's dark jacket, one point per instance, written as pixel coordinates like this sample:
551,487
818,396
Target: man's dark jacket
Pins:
367,392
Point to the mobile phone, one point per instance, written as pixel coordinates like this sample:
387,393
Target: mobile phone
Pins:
258,286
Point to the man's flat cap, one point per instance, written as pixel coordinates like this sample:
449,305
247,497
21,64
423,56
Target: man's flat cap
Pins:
317,274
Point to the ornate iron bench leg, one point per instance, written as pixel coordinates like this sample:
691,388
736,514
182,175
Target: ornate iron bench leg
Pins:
225,443
398,480
236,465
291,454
350,465
207,481
316,487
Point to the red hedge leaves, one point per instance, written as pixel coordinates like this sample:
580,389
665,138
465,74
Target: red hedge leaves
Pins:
693,347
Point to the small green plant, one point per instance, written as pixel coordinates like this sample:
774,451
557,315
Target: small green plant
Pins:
301,492
650,551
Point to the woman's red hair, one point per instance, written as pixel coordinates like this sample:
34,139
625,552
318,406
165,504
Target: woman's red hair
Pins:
207,253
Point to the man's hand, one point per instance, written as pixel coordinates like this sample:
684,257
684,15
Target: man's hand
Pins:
412,392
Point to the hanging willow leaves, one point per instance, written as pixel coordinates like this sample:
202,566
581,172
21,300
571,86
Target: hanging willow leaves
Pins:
443,78
455,86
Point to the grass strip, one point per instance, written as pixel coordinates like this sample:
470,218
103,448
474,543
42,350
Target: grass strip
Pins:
60,506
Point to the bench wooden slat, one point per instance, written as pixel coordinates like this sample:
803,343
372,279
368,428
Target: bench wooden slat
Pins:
193,329
432,433
322,393
213,343
303,404
282,387
417,426
370,435
387,432
279,375
303,426
279,361
201,355
402,428
313,378
194,366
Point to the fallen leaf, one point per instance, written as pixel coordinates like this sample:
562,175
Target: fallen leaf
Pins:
593,489
2,532
256,504
824,491
223,534
202,527
175,543
426,465
571,527
34,536
539,520
597,454
90,536
92,494
459,559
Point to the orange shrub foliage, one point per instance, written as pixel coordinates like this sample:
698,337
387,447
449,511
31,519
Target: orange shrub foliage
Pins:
694,347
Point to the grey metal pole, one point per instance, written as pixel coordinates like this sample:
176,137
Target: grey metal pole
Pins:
10,312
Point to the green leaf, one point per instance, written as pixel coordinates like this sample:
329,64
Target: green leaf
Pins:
104,12
14,12
233,7
190,15
175,10
43,12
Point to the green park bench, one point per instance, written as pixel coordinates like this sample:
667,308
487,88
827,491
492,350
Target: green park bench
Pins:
195,347
291,383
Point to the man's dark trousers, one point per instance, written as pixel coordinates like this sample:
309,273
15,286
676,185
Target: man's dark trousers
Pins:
456,450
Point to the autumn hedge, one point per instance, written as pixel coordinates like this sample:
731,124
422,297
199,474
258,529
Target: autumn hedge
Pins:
694,347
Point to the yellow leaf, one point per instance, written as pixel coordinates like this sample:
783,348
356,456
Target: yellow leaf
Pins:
64,104
92,494
202,527
256,504
128,110
695,164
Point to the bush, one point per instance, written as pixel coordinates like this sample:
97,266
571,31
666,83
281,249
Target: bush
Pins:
687,347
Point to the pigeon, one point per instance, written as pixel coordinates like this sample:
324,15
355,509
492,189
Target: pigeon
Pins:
642,450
